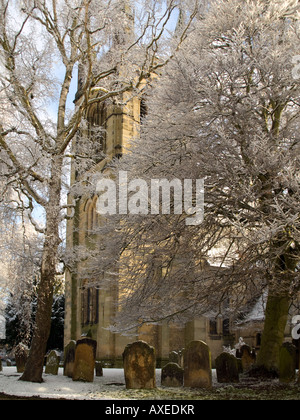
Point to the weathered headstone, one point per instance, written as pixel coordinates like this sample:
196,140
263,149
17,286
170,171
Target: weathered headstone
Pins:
139,366
21,356
197,365
8,362
69,359
99,369
172,375
287,363
248,358
227,368
85,358
174,357
52,363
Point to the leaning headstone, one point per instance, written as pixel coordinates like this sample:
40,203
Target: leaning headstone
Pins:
21,356
172,375
85,358
139,366
52,363
197,365
248,358
287,363
99,369
227,368
8,362
69,359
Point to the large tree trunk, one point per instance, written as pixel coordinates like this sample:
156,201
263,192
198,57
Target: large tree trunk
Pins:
277,310
273,335
34,366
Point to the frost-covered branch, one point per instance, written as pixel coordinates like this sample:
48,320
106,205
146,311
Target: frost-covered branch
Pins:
43,44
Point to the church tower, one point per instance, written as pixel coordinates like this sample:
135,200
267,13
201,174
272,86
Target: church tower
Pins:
112,125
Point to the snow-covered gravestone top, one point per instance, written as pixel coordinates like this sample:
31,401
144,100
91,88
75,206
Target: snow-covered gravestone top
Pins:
139,366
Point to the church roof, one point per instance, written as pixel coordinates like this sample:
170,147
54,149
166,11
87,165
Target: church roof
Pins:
256,312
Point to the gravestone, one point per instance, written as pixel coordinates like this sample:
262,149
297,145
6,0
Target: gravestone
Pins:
197,365
99,369
139,366
21,356
172,376
174,357
248,358
69,359
85,358
227,368
287,363
52,363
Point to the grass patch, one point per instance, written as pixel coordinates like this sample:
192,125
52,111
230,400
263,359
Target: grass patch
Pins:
230,392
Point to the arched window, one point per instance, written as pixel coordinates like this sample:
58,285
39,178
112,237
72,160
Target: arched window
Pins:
258,339
89,306
226,327
213,327
88,220
91,217
97,130
143,110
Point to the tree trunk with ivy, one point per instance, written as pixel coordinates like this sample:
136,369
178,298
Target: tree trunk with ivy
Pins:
273,335
277,309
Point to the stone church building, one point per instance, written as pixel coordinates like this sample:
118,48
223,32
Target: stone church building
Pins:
90,310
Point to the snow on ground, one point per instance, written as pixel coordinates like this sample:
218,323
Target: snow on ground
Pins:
63,387
109,387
